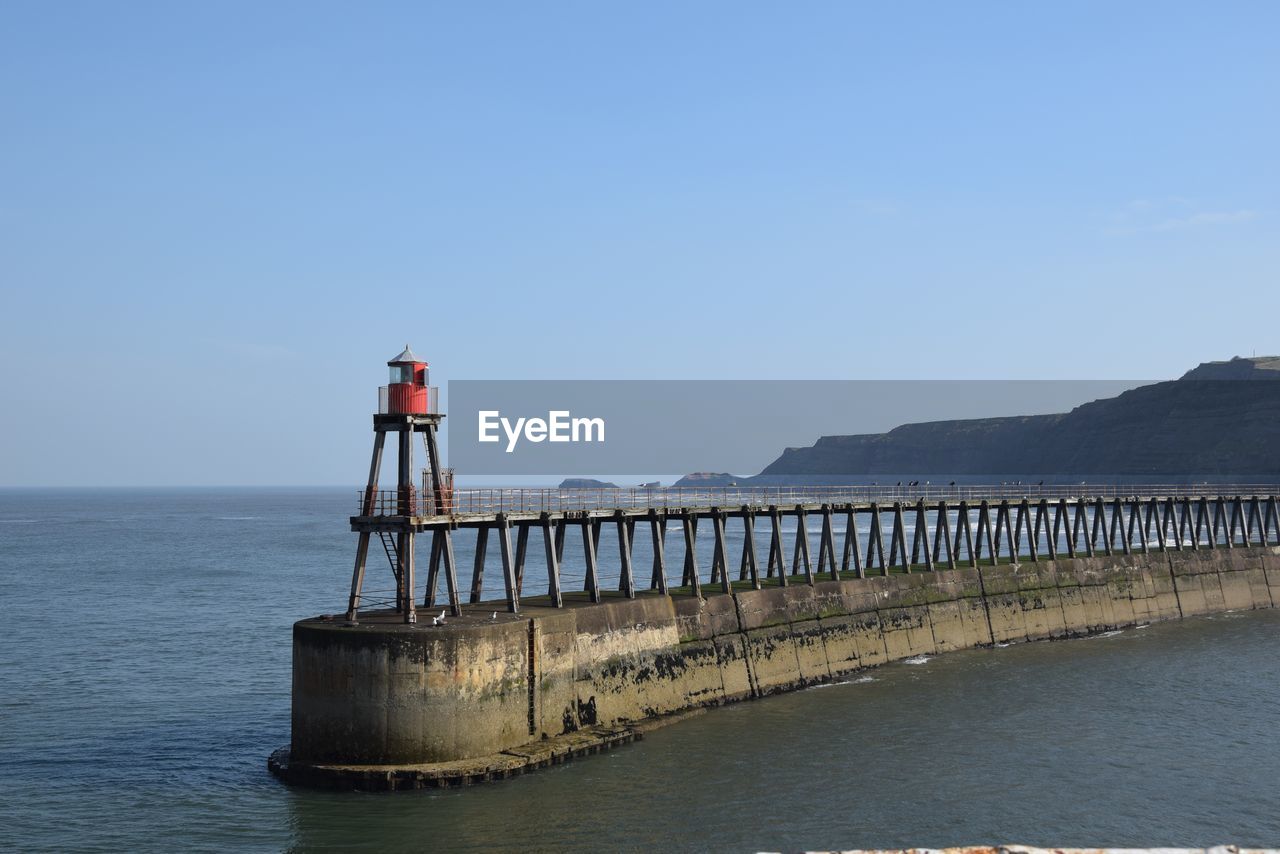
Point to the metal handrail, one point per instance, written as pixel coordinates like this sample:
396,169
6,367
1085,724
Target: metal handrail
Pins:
491,501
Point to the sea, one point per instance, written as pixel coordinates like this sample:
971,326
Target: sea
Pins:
145,671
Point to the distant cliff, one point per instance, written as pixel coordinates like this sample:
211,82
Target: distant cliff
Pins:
1221,418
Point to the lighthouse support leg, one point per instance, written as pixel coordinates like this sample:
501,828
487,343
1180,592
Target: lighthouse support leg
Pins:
508,567
406,575
357,577
433,569
362,544
451,574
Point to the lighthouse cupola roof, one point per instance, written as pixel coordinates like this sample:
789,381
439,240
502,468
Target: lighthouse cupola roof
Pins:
407,357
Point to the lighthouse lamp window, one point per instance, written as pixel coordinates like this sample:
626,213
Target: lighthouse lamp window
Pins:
402,373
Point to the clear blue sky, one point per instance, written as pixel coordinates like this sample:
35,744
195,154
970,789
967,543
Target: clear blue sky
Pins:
219,220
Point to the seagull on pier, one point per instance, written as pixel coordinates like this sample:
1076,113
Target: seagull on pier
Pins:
495,616
438,621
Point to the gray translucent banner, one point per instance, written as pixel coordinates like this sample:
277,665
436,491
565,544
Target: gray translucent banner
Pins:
587,427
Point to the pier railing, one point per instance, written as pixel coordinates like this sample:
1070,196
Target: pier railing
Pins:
485,501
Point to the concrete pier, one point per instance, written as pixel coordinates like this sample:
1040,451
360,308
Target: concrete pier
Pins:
387,705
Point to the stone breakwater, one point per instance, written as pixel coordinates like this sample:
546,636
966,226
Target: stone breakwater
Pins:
385,705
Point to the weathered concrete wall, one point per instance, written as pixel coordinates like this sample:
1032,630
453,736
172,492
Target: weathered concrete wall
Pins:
388,694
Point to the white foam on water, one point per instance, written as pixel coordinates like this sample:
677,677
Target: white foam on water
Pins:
861,680
919,659
1144,626
1003,645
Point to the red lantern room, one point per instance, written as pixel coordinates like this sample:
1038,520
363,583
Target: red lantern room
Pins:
409,391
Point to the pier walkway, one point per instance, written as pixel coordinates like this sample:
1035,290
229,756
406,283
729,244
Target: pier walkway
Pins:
861,530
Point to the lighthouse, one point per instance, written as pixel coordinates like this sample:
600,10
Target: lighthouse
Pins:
407,405
408,392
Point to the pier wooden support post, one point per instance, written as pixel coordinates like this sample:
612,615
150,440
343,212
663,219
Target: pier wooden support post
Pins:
689,519
1137,517
801,547
1184,522
508,563
626,579
1275,520
1033,537
875,541
1218,521
749,547
852,551
1254,520
658,530
944,521
776,560
1153,514
1061,523
1224,519
984,532
1079,528
717,520
553,561
477,567
1117,525
1152,518
827,547
920,538
999,530
689,524
964,524
561,526
719,561
522,549
592,581
1043,525
1082,524
1004,530
1202,518
899,544
1100,525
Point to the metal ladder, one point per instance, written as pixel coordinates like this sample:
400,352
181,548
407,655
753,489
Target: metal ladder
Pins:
393,554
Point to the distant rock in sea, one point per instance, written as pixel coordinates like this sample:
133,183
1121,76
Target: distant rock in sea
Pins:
707,478
586,483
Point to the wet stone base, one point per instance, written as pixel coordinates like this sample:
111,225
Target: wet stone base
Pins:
463,772
384,705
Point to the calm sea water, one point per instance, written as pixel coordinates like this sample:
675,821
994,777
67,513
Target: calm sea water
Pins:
145,678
